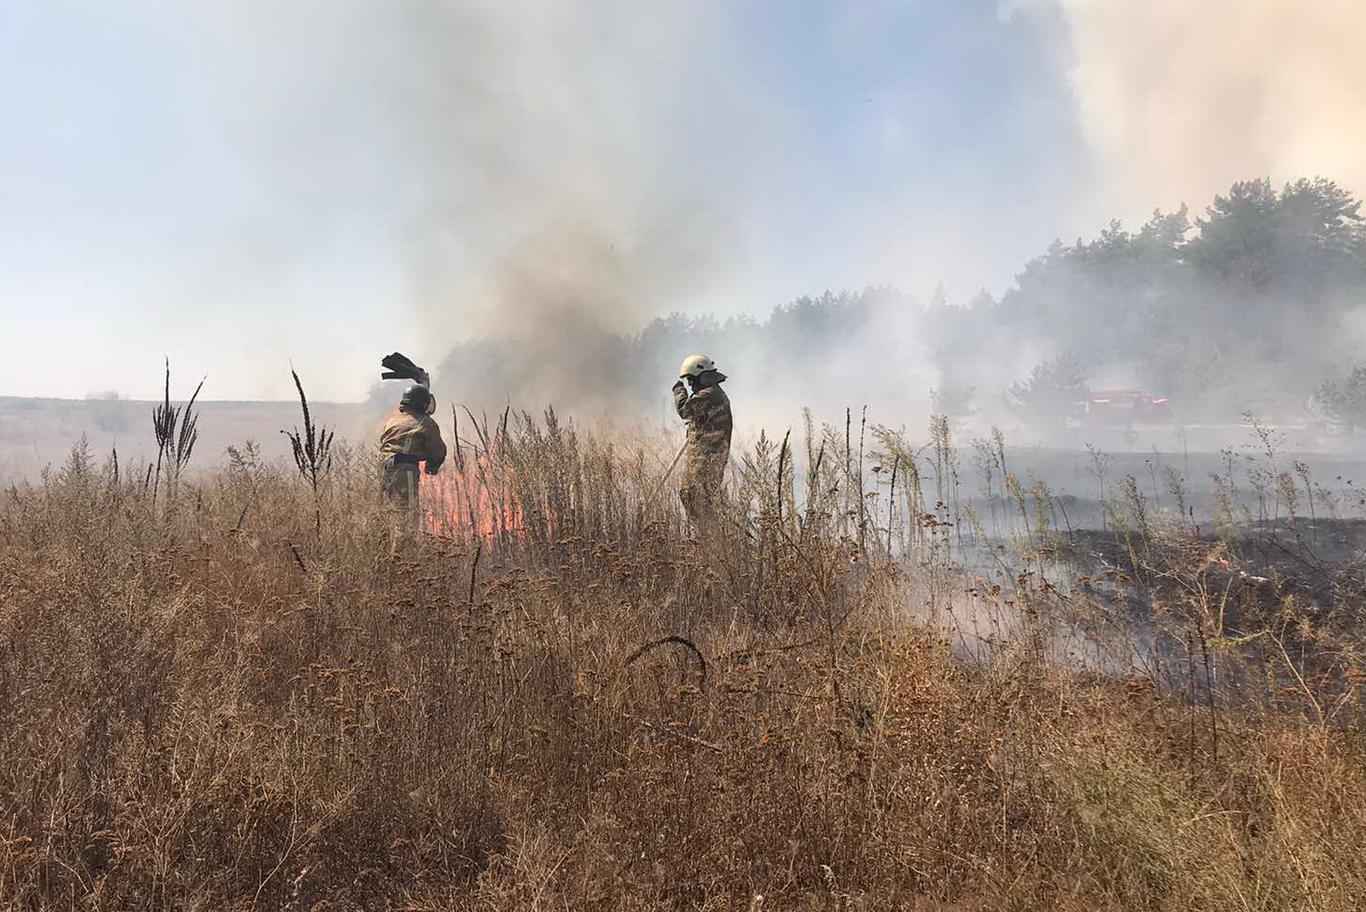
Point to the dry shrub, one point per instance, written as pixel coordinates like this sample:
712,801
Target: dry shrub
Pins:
225,703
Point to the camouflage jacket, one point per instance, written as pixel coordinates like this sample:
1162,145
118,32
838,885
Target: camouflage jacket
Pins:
707,451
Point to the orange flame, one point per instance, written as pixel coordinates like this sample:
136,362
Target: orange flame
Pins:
472,496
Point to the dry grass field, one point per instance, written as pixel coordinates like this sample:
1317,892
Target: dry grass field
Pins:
231,690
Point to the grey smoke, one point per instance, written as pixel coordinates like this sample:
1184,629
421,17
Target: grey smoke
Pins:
1178,99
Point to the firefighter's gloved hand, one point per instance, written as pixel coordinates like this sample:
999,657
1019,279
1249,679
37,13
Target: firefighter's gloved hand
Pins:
431,469
679,386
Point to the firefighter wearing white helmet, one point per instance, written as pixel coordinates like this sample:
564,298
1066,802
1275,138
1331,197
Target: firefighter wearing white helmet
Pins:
700,401
695,365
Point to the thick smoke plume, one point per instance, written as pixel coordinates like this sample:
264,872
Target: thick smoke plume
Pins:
581,172
574,177
514,191
1178,99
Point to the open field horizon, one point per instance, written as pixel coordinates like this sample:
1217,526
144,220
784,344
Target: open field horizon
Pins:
38,434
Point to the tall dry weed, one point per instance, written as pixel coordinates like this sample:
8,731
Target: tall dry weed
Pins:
258,697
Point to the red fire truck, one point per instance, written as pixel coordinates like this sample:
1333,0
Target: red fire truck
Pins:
1122,407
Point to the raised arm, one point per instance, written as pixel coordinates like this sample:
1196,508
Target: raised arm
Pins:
686,406
682,404
434,446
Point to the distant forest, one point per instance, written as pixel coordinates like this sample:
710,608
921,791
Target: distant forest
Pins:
1257,304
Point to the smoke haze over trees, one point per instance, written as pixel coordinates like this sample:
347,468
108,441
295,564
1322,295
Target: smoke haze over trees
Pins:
242,186
1242,307
1248,306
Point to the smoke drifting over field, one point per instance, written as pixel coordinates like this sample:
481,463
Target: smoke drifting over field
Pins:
562,171
558,296
554,194
531,184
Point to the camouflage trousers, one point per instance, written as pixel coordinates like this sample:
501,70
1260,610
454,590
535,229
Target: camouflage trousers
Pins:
703,500
399,483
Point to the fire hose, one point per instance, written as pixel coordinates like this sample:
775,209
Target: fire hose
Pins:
669,471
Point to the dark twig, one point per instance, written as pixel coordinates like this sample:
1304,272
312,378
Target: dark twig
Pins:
891,502
681,641
1209,696
862,504
474,569
782,470
455,435
298,558
689,739
752,653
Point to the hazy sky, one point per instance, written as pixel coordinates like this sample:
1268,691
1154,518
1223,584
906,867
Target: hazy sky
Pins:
244,185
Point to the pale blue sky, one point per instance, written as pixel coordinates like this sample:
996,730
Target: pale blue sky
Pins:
245,185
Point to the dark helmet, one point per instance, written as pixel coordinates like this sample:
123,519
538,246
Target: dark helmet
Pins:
419,399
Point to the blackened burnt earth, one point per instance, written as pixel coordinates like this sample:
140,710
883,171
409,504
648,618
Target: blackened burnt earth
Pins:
1290,595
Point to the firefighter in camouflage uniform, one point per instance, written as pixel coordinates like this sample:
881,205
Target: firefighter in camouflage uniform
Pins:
410,436
702,403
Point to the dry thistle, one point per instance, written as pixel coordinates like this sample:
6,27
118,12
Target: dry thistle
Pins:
312,449
176,432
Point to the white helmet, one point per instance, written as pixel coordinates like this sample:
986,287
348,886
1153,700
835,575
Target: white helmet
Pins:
696,365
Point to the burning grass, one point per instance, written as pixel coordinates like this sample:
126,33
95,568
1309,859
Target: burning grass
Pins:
222,702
